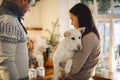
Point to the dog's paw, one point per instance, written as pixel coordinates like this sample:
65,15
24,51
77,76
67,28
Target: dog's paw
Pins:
67,70
68,66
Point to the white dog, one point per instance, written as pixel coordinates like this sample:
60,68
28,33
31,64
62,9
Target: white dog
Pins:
65,50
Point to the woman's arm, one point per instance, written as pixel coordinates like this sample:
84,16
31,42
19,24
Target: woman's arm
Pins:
89,42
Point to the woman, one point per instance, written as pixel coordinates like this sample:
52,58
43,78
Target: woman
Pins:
85,60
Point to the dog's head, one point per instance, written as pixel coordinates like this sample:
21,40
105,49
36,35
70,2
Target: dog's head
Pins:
73,38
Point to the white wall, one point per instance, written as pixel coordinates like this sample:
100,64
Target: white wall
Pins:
47,11
42,14
63,15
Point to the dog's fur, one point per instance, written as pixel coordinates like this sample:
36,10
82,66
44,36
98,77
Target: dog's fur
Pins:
65,50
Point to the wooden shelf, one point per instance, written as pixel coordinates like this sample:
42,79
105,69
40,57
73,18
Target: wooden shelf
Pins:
34,28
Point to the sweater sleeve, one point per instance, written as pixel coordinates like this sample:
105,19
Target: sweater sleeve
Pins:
81,56
8,43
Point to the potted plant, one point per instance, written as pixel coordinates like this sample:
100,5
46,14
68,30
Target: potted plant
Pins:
51,41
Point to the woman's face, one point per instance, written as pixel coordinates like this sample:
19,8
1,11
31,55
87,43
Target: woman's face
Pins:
74,21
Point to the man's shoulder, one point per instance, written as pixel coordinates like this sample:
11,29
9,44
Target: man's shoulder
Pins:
7,20
5,13
7,17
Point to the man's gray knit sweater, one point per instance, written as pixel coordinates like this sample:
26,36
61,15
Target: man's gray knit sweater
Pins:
13,41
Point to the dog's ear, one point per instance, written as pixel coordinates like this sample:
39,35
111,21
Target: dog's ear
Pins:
67,34
82,29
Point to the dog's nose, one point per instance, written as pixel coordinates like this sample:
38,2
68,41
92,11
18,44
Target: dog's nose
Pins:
79,47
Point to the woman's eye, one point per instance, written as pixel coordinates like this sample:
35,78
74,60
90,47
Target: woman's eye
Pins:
73,38
79,37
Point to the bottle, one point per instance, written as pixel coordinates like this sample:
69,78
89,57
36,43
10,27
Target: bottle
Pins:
32,74
40,69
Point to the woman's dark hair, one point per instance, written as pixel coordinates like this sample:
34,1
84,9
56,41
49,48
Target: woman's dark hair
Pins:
85,18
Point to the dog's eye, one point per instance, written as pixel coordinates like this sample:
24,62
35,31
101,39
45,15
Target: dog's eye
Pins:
73,38
79,37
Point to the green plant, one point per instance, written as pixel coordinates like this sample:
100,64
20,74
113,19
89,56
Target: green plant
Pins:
103,6
53,40
35,2
86,1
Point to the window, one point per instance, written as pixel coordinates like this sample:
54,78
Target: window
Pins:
107,17
116,7
104,29
103,7
116,43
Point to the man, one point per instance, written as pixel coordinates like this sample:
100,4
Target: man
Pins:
13,38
